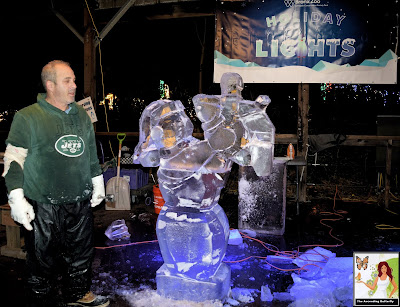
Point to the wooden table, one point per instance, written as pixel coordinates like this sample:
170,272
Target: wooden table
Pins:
13,235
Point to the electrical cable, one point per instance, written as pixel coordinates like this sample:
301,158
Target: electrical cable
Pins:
297,254
390,211
285,254
379,226
386,227
397,37
127,244
395,197
291,255
303,168
102,74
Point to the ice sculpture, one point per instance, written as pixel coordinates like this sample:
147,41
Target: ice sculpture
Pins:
239,129
192,228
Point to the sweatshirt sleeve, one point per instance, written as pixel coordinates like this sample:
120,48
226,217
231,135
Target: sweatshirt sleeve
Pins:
19,137
95,168
19,134
15,177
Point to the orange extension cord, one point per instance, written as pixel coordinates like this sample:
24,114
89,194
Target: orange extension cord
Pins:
296,254
286,254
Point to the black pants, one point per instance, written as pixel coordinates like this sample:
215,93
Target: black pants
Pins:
59,251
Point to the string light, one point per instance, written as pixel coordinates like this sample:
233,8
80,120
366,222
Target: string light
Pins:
164,90
382,97
110,97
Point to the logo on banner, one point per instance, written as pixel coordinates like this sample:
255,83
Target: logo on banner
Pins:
290,3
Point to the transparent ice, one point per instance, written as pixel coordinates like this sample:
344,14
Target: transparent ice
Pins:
117,230
192,228
238,129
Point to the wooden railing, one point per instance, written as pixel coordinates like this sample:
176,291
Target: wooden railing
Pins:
351,140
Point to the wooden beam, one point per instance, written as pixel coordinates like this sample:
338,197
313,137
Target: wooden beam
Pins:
112,4
373,137
121,12
280,138
89,58
176,15
302,135
285,138
388,173
115,133
68,25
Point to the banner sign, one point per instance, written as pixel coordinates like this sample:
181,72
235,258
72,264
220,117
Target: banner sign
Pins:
300,41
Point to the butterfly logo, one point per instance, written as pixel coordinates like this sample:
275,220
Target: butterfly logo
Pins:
362,263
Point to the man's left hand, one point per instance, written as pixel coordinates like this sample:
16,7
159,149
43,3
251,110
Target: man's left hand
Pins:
98,190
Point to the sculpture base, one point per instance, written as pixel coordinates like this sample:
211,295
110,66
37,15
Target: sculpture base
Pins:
262,200
180,288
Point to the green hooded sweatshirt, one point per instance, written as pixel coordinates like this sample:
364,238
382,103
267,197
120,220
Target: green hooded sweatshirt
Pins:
62,155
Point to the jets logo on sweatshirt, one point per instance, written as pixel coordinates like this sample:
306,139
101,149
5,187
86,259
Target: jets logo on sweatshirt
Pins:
70,145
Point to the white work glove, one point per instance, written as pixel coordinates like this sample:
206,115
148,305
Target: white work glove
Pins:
21,211
99,192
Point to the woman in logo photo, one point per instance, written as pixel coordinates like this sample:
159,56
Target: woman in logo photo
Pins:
383,280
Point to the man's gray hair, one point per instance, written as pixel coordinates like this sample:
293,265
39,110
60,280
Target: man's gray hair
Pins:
49,71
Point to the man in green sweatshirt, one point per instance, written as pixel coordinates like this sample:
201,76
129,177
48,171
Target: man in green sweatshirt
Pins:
53,178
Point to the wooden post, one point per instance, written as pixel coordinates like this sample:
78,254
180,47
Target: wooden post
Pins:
89,58
203,46
388,173
13,235
302,135
201,68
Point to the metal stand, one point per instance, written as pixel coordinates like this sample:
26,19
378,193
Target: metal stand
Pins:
297,161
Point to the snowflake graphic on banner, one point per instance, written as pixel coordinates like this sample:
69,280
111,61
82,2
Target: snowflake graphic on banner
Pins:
289,3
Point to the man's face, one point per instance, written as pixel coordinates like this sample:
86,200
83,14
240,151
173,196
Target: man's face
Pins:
65,87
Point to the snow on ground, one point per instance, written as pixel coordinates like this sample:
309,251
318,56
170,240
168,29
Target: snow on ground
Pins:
150,298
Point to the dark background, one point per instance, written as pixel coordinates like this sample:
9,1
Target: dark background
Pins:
140,50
